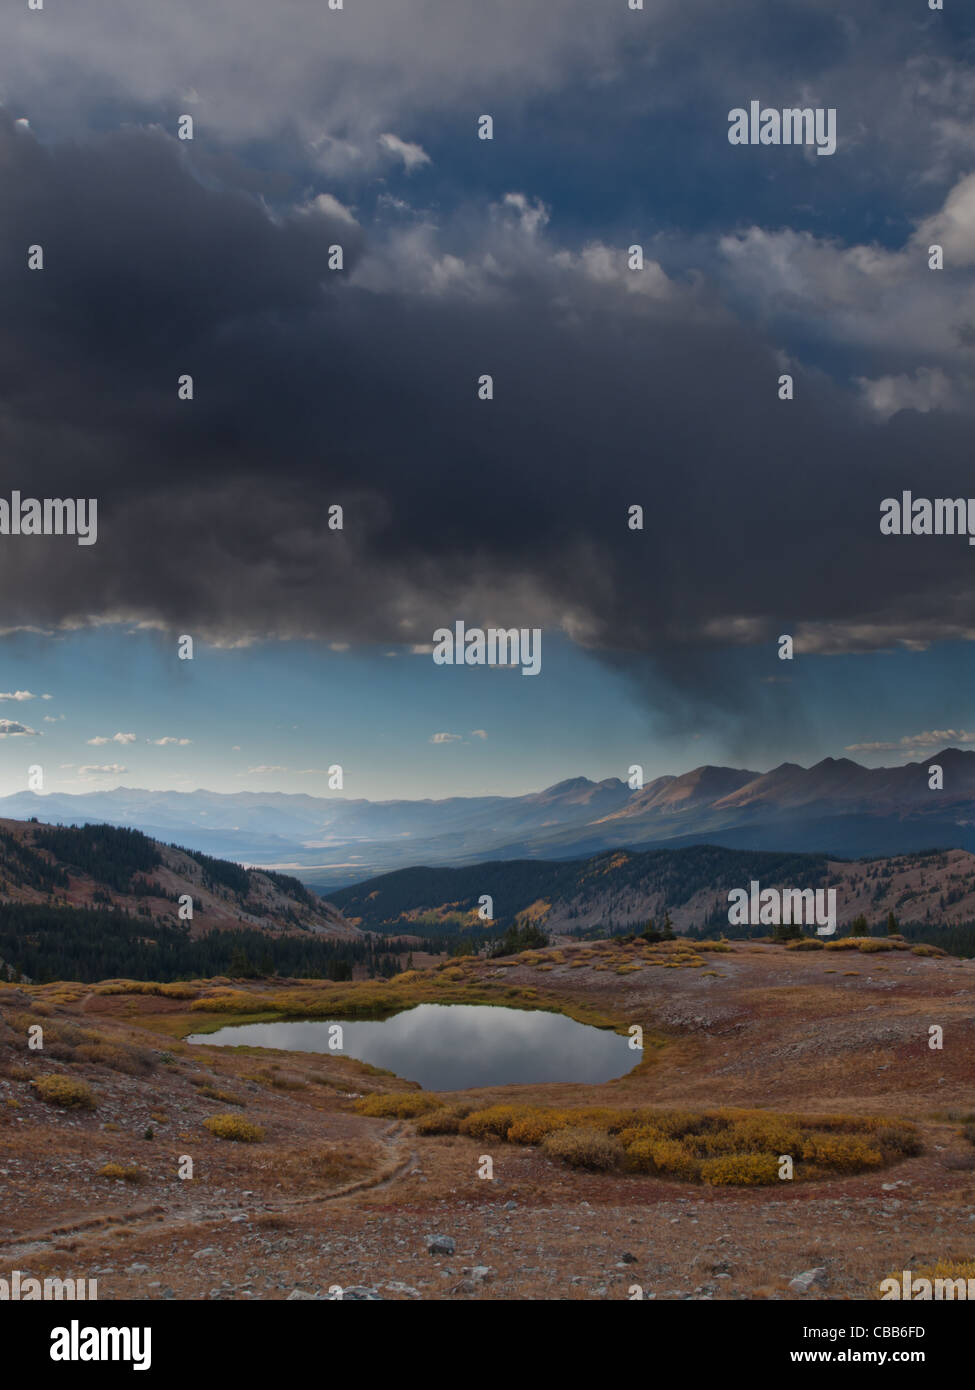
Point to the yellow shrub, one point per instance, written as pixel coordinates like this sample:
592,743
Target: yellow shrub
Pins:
400,1105
733,1146
121,1173
495,1121
634,1134
533,1128
676,1123
225,1097
234,1127
840,1153
62,1090
445,1120
167,991
745,1170
667,1156
584,1148
765,1134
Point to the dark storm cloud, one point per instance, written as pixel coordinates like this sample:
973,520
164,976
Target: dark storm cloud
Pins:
315,388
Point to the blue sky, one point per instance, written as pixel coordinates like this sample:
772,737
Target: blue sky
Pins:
295,709
358,128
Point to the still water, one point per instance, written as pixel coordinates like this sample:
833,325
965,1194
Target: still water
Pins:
449,1047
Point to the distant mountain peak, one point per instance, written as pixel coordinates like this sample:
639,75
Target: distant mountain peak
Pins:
570,784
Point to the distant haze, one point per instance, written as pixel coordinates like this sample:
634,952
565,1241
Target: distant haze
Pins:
837,806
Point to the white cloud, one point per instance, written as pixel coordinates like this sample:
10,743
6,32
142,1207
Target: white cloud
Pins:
10,729
953,227
98,741
870,297
101,770
533,216
266,767
444,738
479,733
931,738
327,205
163,742
18,695
413,156
928,389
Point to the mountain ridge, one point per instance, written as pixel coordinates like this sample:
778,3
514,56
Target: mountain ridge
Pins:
835,806
120,870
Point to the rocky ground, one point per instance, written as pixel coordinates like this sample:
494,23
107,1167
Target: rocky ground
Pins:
333,1200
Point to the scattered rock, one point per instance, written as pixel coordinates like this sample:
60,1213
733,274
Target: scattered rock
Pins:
810,1278
440,1245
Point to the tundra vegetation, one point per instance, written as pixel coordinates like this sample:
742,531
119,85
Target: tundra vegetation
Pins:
715,1147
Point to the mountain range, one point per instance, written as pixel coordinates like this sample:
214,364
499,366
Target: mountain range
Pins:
933,892
837,807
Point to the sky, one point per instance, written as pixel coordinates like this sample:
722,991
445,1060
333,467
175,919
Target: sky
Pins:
317,387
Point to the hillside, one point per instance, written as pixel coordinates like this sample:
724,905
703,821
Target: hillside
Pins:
94,902
623,889
100,866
